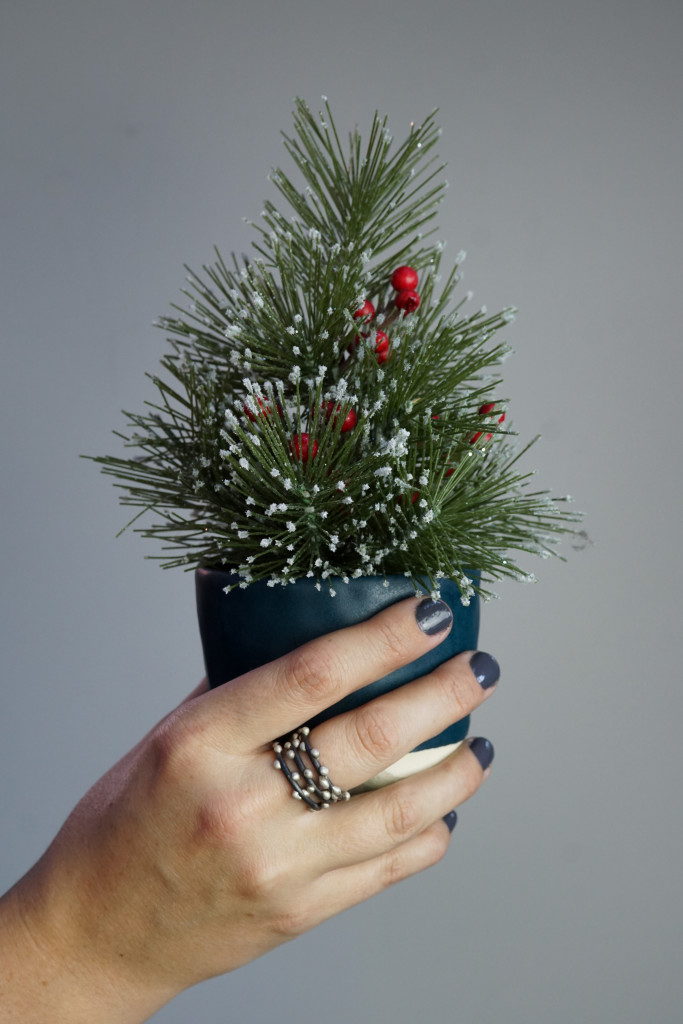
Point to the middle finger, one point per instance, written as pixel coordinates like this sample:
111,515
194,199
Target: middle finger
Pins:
359,744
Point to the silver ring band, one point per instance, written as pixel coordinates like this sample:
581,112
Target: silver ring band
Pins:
310,780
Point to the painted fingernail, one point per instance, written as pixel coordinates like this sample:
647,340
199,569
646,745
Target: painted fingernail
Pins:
483,751
485,668
433,616
451,820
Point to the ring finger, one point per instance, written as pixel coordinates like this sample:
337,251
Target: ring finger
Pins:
375,823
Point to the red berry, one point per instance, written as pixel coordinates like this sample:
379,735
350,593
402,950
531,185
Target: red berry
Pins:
416,495
366,311
302,448
264,410
381,342
485,410
407,300
382,350
404,277
349,420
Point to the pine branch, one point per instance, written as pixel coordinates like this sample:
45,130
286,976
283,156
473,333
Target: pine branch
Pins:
294,435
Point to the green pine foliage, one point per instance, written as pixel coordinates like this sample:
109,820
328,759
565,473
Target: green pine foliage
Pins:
290,438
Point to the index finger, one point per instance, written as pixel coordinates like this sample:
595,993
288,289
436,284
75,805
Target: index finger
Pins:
270,701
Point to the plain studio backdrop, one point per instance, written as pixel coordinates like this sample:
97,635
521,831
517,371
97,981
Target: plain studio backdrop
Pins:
134,136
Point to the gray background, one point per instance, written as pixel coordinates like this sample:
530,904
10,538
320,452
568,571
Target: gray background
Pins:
134,136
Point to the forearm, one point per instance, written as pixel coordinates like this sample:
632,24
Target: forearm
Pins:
47,976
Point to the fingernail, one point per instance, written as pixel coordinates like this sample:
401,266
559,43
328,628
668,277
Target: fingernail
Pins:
485,668
451,820
433,616
483,751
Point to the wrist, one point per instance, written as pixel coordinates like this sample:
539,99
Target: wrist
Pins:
50,971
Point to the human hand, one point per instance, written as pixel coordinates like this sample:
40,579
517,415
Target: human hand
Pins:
189,858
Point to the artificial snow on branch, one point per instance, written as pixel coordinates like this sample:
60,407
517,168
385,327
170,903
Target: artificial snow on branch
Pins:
327,409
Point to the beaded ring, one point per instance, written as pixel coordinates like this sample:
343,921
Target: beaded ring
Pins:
310,780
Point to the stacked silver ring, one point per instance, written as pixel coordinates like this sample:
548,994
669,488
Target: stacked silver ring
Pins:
310,780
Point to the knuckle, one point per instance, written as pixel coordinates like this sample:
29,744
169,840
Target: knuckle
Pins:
393,869
216,824
392,640
436,843
465,774
473,780
401,817
225,819
292,922
257,881
431,848
456,695
376,734
310,671
172,749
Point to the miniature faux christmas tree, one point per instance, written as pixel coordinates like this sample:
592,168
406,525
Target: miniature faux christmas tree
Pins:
327,409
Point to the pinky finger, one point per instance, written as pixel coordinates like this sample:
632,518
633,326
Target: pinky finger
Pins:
345,887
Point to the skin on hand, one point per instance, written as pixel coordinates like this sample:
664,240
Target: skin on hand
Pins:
185,860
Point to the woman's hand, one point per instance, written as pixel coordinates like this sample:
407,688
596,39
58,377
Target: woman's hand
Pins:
190,858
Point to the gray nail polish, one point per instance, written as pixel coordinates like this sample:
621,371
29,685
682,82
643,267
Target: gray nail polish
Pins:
433,616
483,751
451,820
485,668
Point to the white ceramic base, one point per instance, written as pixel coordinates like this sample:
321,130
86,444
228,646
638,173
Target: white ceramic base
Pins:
415,761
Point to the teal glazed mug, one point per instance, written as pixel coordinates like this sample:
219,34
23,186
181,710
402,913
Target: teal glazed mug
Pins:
249,627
